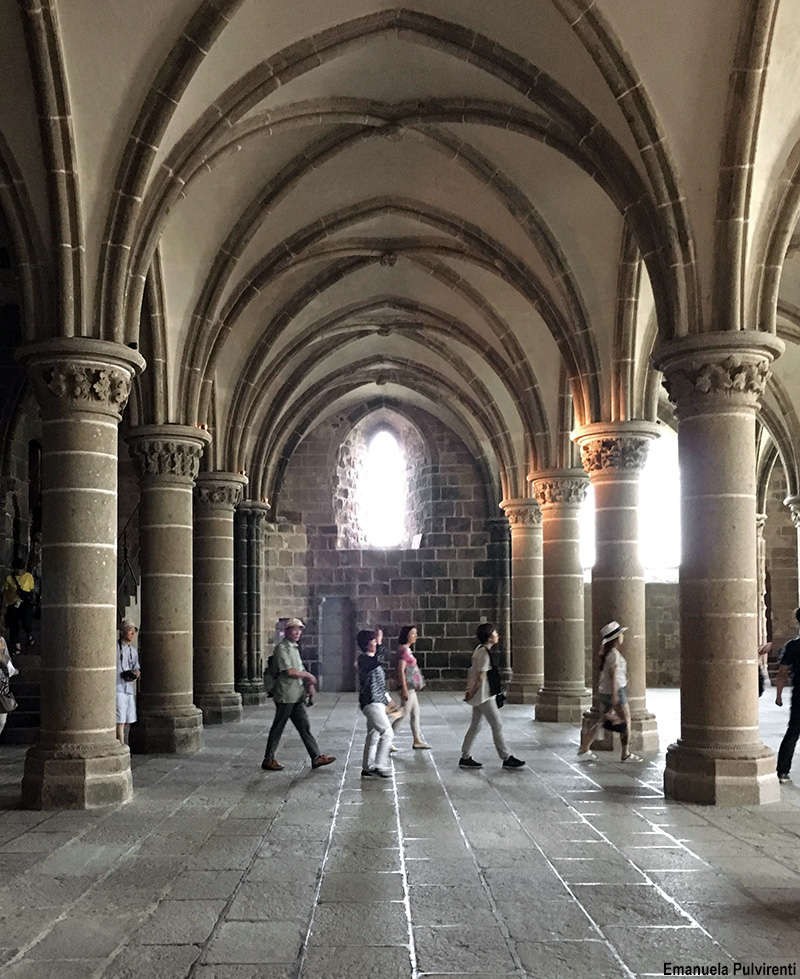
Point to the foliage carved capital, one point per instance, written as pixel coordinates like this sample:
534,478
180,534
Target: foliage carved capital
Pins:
219,491
616,453
706,370
560,488
522,513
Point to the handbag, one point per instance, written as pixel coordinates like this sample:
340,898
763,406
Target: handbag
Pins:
495,680
393,709
8,701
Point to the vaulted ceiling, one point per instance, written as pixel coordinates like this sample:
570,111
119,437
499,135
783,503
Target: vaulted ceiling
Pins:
491,211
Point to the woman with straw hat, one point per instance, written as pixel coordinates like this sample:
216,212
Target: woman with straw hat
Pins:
613,694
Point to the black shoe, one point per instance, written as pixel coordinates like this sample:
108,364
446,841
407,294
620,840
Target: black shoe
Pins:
512,762
367,773
380,772
469,763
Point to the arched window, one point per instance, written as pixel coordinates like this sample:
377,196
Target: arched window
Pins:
659,513
382,491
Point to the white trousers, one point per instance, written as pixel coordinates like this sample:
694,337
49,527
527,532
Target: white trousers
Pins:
411,709
379,737
490,711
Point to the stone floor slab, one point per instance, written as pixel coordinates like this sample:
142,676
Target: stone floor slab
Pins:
238,866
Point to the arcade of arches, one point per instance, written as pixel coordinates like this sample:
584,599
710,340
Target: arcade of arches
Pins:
248,235
239,239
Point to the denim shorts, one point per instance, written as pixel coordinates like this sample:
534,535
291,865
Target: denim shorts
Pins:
622,697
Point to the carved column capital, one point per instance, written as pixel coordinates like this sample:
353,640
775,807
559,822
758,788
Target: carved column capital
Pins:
219,490
559,487
707,370
608,448
79,374
167,451
522,513
761,522
255,513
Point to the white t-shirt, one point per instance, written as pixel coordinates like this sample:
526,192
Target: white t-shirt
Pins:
479,668
613,659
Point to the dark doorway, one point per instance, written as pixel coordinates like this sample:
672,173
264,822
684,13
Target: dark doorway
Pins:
337,641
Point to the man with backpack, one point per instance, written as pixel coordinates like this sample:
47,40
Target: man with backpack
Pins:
285,676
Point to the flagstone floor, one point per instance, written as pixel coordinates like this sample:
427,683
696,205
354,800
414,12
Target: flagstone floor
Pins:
217,870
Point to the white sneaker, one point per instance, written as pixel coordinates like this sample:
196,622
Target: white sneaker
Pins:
632,757
587,756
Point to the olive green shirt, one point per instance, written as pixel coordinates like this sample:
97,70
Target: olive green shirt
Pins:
287,689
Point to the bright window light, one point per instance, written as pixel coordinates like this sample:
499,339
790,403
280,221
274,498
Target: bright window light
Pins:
587,530
383,491
660,509
659,513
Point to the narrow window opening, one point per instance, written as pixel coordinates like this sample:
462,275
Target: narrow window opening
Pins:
383,491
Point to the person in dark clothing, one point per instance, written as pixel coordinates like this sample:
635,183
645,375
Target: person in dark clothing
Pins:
372,699
789,667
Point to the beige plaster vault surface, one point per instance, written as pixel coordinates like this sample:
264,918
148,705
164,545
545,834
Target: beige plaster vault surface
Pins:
218,871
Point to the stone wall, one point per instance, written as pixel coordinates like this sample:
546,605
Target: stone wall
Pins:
445,588
284,585
780,538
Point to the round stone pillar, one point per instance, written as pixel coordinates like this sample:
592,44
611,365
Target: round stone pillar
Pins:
216,494
167,460
249,522
715,381
527,654
564,696
614,454
82,386
500,554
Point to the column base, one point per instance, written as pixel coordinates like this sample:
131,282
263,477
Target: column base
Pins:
252,693
523,689
77,777
219,708
553,705
644,732
715,777
175,732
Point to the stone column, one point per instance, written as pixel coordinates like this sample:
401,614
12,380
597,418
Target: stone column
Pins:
167,460
614,454
215,496
716,380
500,553
564,696
82,386
249,527
527,654
761,578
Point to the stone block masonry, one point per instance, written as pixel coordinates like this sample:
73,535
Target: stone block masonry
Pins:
445,588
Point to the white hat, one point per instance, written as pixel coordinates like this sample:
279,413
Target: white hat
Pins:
296,623
611,630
